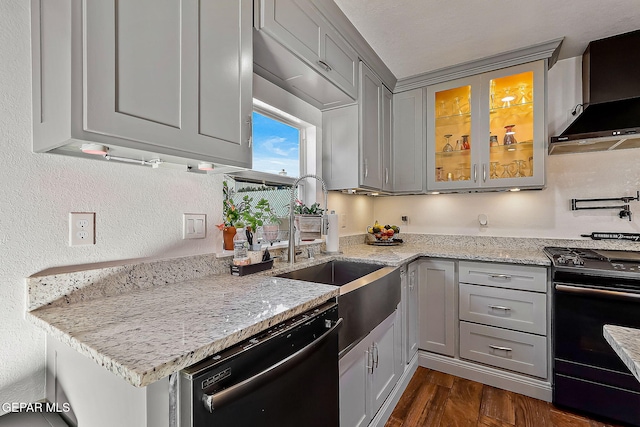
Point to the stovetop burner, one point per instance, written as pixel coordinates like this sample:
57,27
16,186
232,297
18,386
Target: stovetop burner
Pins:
607,263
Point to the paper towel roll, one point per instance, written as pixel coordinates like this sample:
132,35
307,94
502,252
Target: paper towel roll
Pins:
332,238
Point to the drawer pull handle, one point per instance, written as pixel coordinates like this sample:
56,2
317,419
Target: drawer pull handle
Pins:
500,276
500,307
324,65
497,347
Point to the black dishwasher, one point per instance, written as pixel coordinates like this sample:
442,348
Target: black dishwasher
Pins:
285,376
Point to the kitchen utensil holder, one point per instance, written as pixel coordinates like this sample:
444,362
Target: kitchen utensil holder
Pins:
625,212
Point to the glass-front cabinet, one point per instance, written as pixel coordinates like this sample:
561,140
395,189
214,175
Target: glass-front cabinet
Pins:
487,131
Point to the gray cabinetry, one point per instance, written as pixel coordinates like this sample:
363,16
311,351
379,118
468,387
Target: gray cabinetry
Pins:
437,306
297,49
360,135
462,117
369,372
408,142
175,82
487,322
503,316
386,121
411,308
370,128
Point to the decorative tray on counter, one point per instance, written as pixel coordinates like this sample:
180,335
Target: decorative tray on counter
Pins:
395,242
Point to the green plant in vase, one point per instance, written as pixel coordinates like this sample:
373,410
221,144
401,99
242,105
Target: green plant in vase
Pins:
269,220
232,215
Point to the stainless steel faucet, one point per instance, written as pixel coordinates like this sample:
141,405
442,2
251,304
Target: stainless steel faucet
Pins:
292,234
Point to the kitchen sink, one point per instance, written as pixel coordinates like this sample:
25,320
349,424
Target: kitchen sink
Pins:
369,293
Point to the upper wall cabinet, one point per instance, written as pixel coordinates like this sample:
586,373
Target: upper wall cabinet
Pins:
408,141
296,48
357,146
166,77
487,131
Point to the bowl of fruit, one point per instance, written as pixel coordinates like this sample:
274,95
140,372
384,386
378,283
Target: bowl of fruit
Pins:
383,233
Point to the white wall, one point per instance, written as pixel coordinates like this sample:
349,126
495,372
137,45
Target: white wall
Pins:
138,211
545,213
357,211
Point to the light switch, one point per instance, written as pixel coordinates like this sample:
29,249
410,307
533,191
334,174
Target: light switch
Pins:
194,226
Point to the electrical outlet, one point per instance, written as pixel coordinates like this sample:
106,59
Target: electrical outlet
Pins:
82,228
194,226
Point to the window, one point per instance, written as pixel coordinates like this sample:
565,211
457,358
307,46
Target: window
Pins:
282,144
276,145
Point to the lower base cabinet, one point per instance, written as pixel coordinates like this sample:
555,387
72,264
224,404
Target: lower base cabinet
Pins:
486,321
369,372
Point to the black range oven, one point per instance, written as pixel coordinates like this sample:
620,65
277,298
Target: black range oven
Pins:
593,288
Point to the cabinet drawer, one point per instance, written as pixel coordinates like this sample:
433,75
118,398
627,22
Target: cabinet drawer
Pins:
507,308
524,277
516,351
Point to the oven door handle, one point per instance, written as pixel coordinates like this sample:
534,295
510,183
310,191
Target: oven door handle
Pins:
596,292
228,395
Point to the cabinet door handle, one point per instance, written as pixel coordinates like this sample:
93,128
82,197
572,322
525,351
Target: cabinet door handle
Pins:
484,172
369,360
324,65
412,280
497,347
375,362
386,175
366,168
500,276
250,139
499,307
475,172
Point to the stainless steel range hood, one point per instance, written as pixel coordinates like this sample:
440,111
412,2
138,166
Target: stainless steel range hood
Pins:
611,96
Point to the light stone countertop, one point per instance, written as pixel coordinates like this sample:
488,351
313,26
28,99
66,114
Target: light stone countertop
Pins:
398,255
146,320
145,335
626,343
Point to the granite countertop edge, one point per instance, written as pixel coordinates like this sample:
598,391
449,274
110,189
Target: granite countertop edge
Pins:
142,374
45,317
625,342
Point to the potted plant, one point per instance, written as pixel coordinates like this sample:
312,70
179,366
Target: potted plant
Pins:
269,220
232,215
309,219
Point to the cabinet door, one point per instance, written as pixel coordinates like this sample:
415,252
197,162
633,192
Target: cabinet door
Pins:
408,142
178,79
452,155
387,363
387,135
300,27
515,115
295,24
437,306
340,62
370,128
412,311
340,148
488,131
355,378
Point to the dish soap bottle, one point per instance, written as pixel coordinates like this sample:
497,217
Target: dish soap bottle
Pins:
240,256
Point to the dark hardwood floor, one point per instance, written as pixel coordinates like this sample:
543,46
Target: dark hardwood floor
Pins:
434,399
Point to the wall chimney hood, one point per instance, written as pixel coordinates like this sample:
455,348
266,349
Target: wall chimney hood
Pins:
610,119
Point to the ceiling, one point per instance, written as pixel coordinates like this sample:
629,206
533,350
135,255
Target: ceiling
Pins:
416,36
